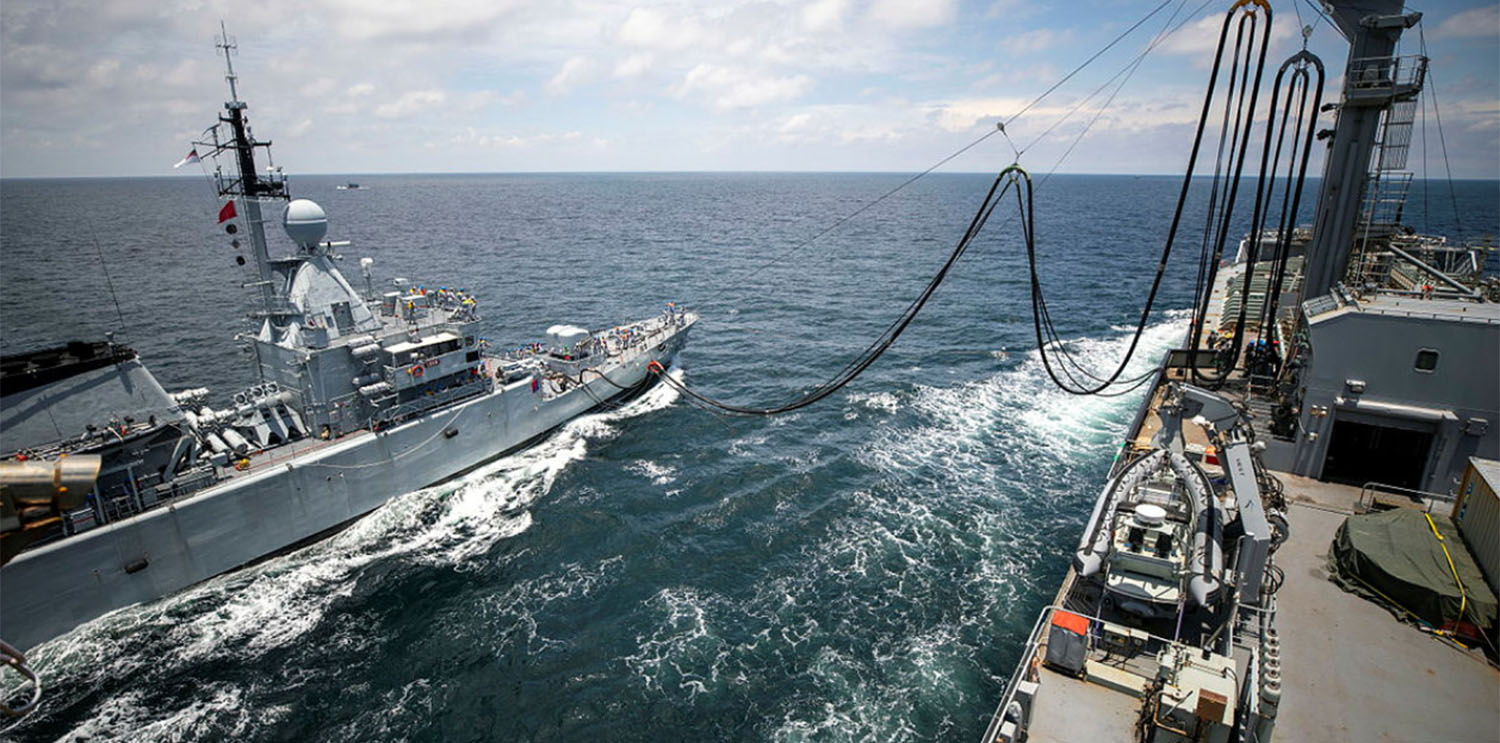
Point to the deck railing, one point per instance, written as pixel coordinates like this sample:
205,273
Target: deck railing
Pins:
1028,654
1369,497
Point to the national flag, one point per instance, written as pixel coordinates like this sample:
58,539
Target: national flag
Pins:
227,213
192,157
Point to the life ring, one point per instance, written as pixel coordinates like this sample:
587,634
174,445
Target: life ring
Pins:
416,370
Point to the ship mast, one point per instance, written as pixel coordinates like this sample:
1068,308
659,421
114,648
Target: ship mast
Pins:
247,186
1373,81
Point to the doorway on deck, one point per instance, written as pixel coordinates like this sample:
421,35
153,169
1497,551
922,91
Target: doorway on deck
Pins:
1366,452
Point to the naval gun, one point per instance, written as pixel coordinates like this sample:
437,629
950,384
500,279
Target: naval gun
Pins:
1229,428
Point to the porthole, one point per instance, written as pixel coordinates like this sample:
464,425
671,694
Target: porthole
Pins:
1427,359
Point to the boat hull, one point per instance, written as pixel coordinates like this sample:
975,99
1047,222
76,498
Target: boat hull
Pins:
52,589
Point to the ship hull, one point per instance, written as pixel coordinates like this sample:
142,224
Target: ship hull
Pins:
54,588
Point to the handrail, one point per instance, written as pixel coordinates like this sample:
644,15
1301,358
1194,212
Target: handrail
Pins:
1367,495
1033,642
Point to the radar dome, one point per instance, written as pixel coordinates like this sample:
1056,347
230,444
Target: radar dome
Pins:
305,222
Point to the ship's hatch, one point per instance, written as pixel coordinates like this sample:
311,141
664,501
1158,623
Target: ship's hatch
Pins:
1366,452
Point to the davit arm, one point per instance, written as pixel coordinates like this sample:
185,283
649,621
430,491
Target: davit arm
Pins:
1228,427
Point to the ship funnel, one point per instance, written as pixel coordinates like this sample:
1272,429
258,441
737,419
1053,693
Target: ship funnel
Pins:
305,223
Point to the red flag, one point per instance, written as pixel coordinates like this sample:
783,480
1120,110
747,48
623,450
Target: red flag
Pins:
227,213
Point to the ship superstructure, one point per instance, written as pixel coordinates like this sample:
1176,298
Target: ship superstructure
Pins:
365,392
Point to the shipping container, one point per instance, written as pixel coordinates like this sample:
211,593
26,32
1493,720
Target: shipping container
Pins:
1477,513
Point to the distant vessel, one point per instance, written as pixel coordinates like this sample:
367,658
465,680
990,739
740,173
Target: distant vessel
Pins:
119,492
348,187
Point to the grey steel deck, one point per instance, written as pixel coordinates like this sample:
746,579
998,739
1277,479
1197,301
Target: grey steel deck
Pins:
1069,710
1352,671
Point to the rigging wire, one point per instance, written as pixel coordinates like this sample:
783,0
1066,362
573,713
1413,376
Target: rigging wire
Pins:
1442,140
1070,365
1128,71
999,128
1087,62
1040,315
887,338
879,346
108,282
871,204
1322,16
1013,175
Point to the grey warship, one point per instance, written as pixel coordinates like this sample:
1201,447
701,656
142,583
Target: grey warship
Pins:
1349,388
365,393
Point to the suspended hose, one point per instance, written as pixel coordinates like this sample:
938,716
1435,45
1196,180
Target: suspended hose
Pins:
1066,365
1046,333
1291,201
883,342
1240,114
1289,211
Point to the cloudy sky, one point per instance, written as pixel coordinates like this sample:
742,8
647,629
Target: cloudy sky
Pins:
368,86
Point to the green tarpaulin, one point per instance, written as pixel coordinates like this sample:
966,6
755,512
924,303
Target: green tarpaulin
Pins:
1393,557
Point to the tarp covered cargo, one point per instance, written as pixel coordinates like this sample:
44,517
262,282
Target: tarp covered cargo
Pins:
1395,558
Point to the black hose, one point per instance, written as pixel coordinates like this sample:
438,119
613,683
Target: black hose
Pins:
882,343
1244,116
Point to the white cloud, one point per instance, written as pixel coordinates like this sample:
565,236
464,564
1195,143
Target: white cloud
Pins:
470,137
1031,42
1201,37
905,14
846,124
414,19
576,71
654,29
633,65
965,113
360,89
1472,23
318,88
822,15
410,103
727,87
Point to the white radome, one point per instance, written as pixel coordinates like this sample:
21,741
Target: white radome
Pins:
305,222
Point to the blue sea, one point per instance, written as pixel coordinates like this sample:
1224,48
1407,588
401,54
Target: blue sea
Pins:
863,569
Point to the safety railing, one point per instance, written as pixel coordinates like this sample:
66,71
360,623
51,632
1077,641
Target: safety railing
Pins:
421,405
1028,655
1398,497
1385,76
1098,638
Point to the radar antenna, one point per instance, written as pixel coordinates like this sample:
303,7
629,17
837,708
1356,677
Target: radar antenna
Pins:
227,46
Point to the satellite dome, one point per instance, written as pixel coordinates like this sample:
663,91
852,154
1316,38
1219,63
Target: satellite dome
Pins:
305,222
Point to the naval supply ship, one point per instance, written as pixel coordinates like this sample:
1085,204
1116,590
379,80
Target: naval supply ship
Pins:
117,491
1330,372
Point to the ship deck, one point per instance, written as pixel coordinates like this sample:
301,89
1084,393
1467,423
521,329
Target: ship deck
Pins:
1352,671
1069,710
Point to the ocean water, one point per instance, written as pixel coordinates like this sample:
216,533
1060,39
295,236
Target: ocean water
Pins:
864,569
